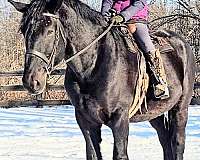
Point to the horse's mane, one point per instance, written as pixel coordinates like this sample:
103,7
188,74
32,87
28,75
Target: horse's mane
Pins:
37,7
85,11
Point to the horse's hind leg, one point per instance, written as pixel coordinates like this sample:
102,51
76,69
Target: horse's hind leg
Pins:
164,136
171,133
181,117
92,135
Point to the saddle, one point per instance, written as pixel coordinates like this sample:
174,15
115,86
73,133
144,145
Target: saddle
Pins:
143,77
161,43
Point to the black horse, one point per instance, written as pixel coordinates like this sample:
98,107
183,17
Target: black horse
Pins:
101,82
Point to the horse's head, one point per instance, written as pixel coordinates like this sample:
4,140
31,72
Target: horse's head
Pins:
44,40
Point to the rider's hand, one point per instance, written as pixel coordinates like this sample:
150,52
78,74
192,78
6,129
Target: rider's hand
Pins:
118,19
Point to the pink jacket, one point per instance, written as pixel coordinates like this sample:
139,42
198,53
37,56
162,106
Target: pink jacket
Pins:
121,5
130,9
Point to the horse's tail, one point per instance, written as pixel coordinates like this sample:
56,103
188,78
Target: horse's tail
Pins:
184,55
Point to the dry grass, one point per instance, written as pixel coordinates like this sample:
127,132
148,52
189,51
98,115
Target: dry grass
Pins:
12,59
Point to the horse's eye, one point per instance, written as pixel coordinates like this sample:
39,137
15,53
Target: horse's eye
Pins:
49,32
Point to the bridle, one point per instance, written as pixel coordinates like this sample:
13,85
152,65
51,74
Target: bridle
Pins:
59,31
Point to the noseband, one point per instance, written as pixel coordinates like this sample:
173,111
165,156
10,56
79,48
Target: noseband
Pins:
50,62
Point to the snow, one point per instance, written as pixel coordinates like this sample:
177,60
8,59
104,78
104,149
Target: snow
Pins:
53,134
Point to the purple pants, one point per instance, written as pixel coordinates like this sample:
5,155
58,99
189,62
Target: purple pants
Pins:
142,38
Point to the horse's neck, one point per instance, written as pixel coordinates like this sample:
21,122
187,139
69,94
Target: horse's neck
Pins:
81,32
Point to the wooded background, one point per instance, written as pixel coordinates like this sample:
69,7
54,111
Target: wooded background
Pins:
181,16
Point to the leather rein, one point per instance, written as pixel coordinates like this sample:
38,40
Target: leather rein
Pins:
59,32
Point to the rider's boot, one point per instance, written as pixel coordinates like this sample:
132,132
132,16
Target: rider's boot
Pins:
161,90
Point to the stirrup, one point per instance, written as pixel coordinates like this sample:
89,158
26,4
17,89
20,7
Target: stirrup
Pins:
164,94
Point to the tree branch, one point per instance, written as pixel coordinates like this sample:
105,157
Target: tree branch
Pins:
176,15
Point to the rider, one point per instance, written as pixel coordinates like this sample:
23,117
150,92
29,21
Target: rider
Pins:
137,10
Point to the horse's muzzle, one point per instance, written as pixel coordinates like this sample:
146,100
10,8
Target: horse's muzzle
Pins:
34,82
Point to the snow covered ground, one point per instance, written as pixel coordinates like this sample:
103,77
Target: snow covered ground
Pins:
53,134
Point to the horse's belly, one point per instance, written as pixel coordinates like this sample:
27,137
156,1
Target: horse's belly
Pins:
157,108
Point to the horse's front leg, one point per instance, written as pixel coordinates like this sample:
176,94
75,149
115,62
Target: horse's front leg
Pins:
91,131
120,129
92,135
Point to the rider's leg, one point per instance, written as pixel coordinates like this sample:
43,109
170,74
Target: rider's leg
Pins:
144,41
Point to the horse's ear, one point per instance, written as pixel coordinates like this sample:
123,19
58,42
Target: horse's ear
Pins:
53,5
21,7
